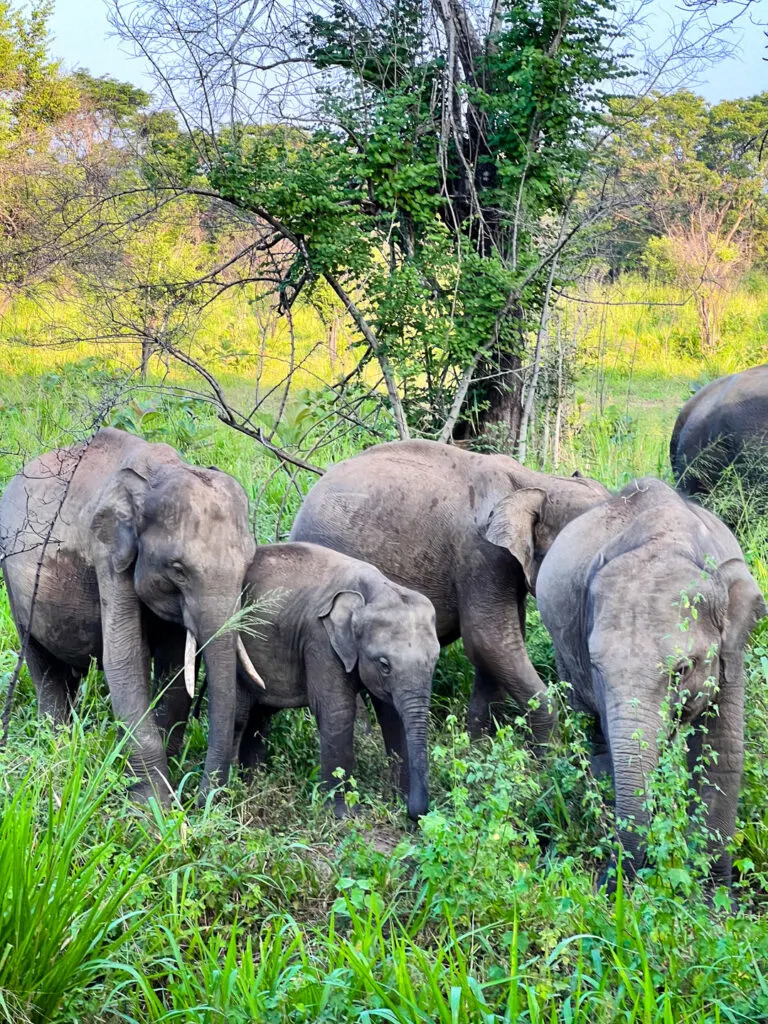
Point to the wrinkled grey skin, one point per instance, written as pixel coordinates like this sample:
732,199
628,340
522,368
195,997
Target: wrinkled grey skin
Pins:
140,546
723,421
609,592
339,626
466,530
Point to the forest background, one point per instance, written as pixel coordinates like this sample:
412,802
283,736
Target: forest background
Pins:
511,226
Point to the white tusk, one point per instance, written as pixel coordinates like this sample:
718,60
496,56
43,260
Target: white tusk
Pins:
248,664
190,651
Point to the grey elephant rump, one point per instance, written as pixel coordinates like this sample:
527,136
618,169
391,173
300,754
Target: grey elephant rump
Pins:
725,423
360,524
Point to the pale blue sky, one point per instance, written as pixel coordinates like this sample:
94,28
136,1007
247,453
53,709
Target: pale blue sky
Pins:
82,39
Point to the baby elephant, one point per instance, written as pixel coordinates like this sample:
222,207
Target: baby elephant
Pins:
648,599
340,626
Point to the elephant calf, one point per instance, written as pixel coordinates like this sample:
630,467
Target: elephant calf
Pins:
340,626
611,592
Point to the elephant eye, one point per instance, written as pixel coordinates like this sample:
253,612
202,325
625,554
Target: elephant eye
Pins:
385,667
178,572
684,667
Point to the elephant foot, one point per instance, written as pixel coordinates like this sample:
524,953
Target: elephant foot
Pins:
342,810
250,773
144,790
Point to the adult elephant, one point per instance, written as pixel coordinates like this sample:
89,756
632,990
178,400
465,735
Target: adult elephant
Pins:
609,592
468,531
724,424
111,549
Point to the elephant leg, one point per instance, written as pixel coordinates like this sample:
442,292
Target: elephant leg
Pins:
55,683
493,630
336,723
126,659
600,761
173,706
487,705
394,740
505,669
254,739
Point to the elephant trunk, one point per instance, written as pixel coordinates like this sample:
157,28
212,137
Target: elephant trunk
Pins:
632,738
219,650
414,714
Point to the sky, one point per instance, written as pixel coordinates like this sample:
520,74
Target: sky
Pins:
82,37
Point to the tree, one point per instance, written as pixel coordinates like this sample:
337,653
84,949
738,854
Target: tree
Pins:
431,164
64,142
35,97
425,196
700,173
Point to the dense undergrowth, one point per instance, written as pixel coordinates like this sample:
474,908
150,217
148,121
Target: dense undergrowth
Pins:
262,907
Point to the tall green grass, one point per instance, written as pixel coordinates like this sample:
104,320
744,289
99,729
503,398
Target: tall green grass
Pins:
261,906
67,882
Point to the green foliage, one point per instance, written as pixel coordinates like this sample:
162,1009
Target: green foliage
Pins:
262,906
437,233
116,101
34,95
68,879
546,70
703,169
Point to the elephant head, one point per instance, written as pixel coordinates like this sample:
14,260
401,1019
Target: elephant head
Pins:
638,595
179,536
527,520
391,639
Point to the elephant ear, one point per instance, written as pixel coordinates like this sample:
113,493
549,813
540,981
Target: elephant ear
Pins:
746,607
116,519
338,618
512,525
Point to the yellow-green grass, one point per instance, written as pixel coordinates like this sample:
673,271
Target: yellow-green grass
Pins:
261,907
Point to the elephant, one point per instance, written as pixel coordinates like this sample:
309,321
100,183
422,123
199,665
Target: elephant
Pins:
114,549
609,592
724,424
338,626
467,530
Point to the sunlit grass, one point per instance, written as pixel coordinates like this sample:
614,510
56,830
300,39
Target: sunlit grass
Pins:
261,906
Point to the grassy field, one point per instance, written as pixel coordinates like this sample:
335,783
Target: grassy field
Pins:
262,907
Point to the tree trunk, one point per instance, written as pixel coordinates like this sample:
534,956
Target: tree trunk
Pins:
546,433
558,402
146,355
332,342
501,395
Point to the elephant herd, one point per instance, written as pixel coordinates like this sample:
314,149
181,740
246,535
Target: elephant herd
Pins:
117,550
